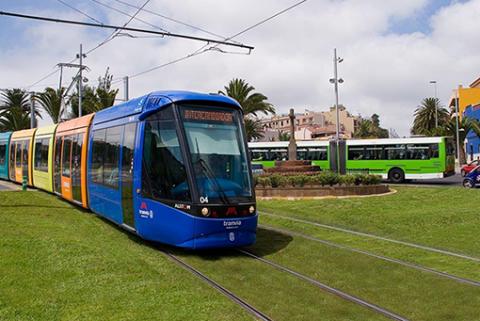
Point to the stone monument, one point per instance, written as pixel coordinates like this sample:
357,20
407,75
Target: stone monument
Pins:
292,146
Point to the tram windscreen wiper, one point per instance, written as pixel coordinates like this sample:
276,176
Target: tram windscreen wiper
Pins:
211,176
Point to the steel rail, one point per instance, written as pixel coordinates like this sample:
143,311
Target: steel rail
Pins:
380,257
327,288
340,229
229,294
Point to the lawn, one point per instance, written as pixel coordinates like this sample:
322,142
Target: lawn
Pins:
61,263
58,262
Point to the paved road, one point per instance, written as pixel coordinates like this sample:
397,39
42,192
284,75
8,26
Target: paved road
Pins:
8,186
455,180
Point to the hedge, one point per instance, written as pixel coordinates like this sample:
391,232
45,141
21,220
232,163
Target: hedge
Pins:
325,178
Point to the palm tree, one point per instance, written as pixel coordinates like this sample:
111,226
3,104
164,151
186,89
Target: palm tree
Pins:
364,129
424,122
15,110
252,103
465,125
51,101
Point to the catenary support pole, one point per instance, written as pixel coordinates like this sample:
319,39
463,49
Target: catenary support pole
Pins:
32,110
80,84
457,126
125,88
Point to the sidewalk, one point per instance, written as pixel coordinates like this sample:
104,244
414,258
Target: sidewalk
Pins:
9,186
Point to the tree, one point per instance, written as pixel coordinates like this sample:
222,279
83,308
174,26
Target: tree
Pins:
15,110
465,125
51,101
95,98
370,128
424,122
283,136
252,103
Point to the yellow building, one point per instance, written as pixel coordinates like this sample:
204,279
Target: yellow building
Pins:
466,96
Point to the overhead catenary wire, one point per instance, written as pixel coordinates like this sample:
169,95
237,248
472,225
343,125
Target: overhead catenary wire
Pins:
129,15
203,50
88,24
79,11
173,20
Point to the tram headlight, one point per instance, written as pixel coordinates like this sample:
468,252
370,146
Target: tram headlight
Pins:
205,212
251,209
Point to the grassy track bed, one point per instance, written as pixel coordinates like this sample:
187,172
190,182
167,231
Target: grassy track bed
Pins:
60,263
410,293
278,294
445,218
440,262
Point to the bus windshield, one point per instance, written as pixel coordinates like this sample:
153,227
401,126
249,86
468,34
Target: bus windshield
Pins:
216,143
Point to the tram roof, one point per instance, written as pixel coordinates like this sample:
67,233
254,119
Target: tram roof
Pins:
5,135
150,103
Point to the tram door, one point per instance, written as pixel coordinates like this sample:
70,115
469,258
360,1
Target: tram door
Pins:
57,171
66,168
76,167
21,160
127,174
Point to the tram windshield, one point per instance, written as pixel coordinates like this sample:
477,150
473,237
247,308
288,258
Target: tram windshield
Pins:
217,149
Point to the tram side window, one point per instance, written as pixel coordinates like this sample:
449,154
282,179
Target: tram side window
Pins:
163,169
66,154
112,156
18,154
41,154
12,161
3,153
98,151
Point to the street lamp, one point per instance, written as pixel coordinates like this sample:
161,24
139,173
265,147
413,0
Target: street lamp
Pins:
434,82
335,81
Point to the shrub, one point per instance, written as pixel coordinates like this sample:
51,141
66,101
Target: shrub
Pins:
301,180
264,181
347,180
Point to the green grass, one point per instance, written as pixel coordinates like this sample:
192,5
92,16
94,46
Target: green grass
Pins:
60,263
447,218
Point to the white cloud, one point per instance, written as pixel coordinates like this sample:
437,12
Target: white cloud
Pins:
384,73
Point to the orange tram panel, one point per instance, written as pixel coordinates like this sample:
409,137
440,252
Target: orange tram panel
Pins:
70,160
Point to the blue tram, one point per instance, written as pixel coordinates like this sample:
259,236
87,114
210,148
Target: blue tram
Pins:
170,166
173,167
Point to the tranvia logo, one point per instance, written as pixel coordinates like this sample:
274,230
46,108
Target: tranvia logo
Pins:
232,224
144,212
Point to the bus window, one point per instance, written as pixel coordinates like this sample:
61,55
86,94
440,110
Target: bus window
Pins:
279,154
395,152
374,152
418,151
434,151
302,154
355,153
259,155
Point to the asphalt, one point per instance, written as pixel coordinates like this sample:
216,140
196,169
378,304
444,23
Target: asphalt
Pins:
9,186
452,181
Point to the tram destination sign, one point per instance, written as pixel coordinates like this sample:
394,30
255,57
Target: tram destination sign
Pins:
200,115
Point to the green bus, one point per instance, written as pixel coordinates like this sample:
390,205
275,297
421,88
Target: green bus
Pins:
396,159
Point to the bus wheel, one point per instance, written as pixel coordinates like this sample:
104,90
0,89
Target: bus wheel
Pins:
396,175
468,183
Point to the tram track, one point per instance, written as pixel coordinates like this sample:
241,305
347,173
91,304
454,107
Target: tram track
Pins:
380,257
373,236
229,294
344,295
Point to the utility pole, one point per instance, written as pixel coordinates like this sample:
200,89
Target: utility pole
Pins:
457,126
434,82
32,110
336,81
80,82
67,90
125,88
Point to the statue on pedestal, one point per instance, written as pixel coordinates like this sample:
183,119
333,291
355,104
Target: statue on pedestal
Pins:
292,146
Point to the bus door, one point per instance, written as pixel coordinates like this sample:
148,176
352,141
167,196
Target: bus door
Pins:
127,174
67,168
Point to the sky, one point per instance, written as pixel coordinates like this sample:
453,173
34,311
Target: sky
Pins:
391,50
